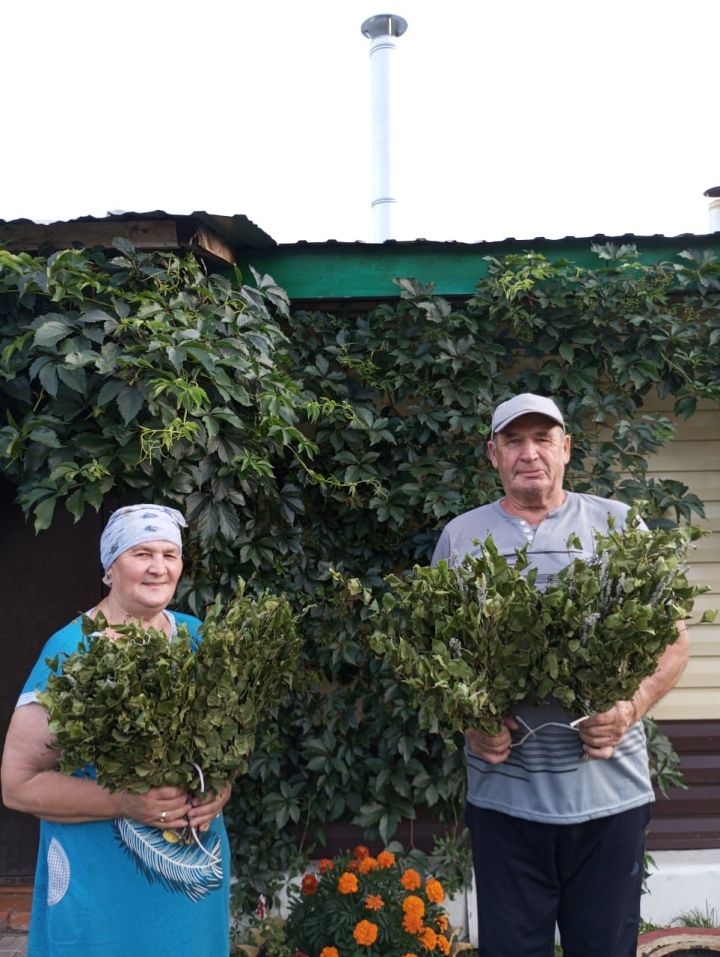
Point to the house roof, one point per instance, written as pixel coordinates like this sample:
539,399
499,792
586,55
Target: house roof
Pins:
329,270
218,237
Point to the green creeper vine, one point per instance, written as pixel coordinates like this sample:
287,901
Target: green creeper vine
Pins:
296,441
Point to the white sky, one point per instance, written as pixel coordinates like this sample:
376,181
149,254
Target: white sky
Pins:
514,118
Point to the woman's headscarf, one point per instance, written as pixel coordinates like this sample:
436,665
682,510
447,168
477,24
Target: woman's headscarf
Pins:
135,524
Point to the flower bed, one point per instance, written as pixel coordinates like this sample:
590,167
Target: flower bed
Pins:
677,941
358,904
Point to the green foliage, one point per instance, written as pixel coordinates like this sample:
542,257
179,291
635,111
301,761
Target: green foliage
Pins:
665,771
144,377
145,711
297,441
471,640
698,917
611,618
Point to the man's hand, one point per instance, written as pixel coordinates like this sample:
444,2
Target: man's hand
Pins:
603,732
491,748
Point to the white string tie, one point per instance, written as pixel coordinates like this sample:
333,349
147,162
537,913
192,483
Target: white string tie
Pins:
531,732
193,830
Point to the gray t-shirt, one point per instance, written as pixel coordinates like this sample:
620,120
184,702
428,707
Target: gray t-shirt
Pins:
547,778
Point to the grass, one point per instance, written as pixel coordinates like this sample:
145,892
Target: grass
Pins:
697,918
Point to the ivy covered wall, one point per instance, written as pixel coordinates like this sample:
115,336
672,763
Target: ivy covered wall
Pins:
297,441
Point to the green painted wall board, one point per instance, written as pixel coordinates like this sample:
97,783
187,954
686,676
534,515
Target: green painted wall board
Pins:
358,270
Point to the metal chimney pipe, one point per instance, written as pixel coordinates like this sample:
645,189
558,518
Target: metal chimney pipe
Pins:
382,30
714,209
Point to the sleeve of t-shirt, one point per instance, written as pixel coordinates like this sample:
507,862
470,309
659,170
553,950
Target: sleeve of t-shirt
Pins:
66,641
442,549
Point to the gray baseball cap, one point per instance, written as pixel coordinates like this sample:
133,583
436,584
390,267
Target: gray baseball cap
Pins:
524,404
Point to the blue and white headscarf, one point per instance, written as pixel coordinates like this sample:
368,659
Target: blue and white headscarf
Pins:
135,524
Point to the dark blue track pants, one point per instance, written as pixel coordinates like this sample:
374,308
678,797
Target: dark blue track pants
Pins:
585,877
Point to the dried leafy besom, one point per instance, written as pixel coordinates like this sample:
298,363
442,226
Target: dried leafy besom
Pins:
474,640
470,639
145,711
611,618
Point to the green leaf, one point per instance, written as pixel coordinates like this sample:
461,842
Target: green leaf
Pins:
109,391
46,437
129,402
44,513
50,332
74,379
48,376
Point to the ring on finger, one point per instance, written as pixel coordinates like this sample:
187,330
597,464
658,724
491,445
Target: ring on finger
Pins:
163,817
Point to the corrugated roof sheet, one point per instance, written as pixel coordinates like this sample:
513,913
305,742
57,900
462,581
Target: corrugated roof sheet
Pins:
237,230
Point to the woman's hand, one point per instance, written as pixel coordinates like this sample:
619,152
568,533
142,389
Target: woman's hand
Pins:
203,812
158,807
493,748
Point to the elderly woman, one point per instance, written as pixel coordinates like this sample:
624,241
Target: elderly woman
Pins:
107,884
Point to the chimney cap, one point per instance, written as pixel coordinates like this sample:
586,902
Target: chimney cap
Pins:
715,191
384,25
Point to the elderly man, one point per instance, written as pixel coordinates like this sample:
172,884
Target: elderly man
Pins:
557,823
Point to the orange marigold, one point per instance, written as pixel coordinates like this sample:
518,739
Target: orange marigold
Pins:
413,905
410,879
412,923
367,864
324,866
428,938
329,952
374,902
409,955
434,890
365,933
347,883
442,944
443,922
361,852
309,884
353,865
385,859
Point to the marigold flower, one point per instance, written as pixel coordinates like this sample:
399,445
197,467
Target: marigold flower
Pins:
428,938
409,955
329,952
434,890
443,922
367,864
413,905
309,884
361,852
353,865
324,866
374,902
442,944
347,883
385,859
410,879
365,933
412,923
